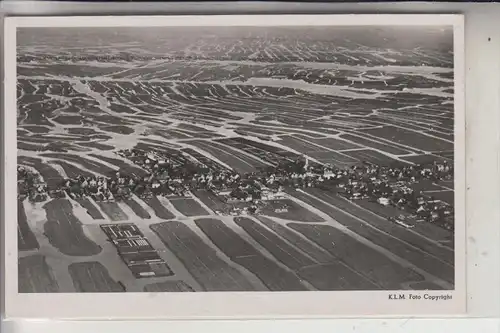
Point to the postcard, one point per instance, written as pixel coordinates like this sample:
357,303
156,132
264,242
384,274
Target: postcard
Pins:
234,166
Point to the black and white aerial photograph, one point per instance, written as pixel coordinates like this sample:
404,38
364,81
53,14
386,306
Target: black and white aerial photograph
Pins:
235,159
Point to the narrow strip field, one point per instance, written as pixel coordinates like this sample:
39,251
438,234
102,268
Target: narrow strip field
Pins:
71,170
371,156
137,208
168,286
65,232
238,250
188,207
239,162
26,239
282,251
202,262
321,154
429,232
90,208
335,276
112,210
93,277
35,276
210,200
382,224
331,143
313,251
410,138
379,269
161,211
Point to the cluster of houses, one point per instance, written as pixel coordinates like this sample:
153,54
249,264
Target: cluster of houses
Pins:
169,176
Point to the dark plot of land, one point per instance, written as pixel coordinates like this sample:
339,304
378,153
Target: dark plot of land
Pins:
112,210
423,230
150,269
137,208
373,265
321,154
35,276
97,145
161,211
93,277
372,156
410,138
306,246
424,159
445,196
238,161
65,232
281,250
49,174
188,207
168,286
202,262
238,250
71,170
124,167
210,200
289,210
26,239
331,143
86,163
335,276
90,208
385,235
376,145
124,231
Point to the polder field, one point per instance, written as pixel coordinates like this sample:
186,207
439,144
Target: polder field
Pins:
244,100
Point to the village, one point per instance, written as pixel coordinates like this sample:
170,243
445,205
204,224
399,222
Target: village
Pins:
248,193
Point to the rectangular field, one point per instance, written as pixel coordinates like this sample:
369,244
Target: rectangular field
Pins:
238,161
374,144
137,208
206,267
372,156
410,138
288,210
26,239
445,196
168,286
136,251
112,210
312,250
188,207
380,270
90,208
160,211
65,231
350,217
35,275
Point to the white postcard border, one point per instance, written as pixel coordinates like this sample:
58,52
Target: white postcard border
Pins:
228,305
